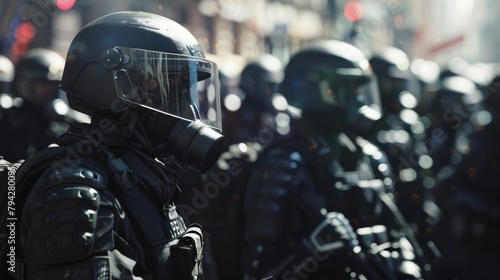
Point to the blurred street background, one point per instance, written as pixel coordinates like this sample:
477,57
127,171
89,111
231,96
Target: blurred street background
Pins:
232,31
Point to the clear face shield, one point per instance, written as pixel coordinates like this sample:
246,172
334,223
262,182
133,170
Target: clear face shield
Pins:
404,89
185,90
38,91
354,90
184,87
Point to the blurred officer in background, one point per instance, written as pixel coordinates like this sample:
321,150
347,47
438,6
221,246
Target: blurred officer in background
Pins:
454,113
37,115
252,113
401,135
6,74
319,204
250,121
467,193
231,97
102,205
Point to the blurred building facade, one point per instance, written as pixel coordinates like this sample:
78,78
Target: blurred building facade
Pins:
428,29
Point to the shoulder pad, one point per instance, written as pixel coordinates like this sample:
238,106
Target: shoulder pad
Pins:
76,210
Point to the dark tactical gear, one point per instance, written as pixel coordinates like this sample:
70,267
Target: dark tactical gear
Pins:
106,213
467,195
320,204
217,205
401,135
336,219
103,204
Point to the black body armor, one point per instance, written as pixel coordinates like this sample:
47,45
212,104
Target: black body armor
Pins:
333,220
106,213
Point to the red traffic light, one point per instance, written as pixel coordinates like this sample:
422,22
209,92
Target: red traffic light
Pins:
354,10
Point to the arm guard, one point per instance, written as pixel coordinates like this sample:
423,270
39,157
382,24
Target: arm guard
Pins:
68,217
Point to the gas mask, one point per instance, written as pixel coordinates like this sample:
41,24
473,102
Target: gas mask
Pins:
193,144
181,97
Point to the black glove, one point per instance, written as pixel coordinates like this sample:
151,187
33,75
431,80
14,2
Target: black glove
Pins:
334,233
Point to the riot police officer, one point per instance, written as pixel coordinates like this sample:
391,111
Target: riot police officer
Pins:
254,115
37,115
466,193
401,135
6,74
319,204
457,104
102,205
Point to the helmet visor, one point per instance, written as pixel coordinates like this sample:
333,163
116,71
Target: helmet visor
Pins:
185,87
352,89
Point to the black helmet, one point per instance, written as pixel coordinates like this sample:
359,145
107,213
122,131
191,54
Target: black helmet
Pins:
153,68
6,73
459,92
459,101
38,75
399,87
260,78
141,58
332,81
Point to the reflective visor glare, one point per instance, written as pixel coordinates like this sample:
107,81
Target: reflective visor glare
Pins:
354,92
181,86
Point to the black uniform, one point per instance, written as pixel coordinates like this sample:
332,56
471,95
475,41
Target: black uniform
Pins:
320,204
466,194
217,204
102,205
109,208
